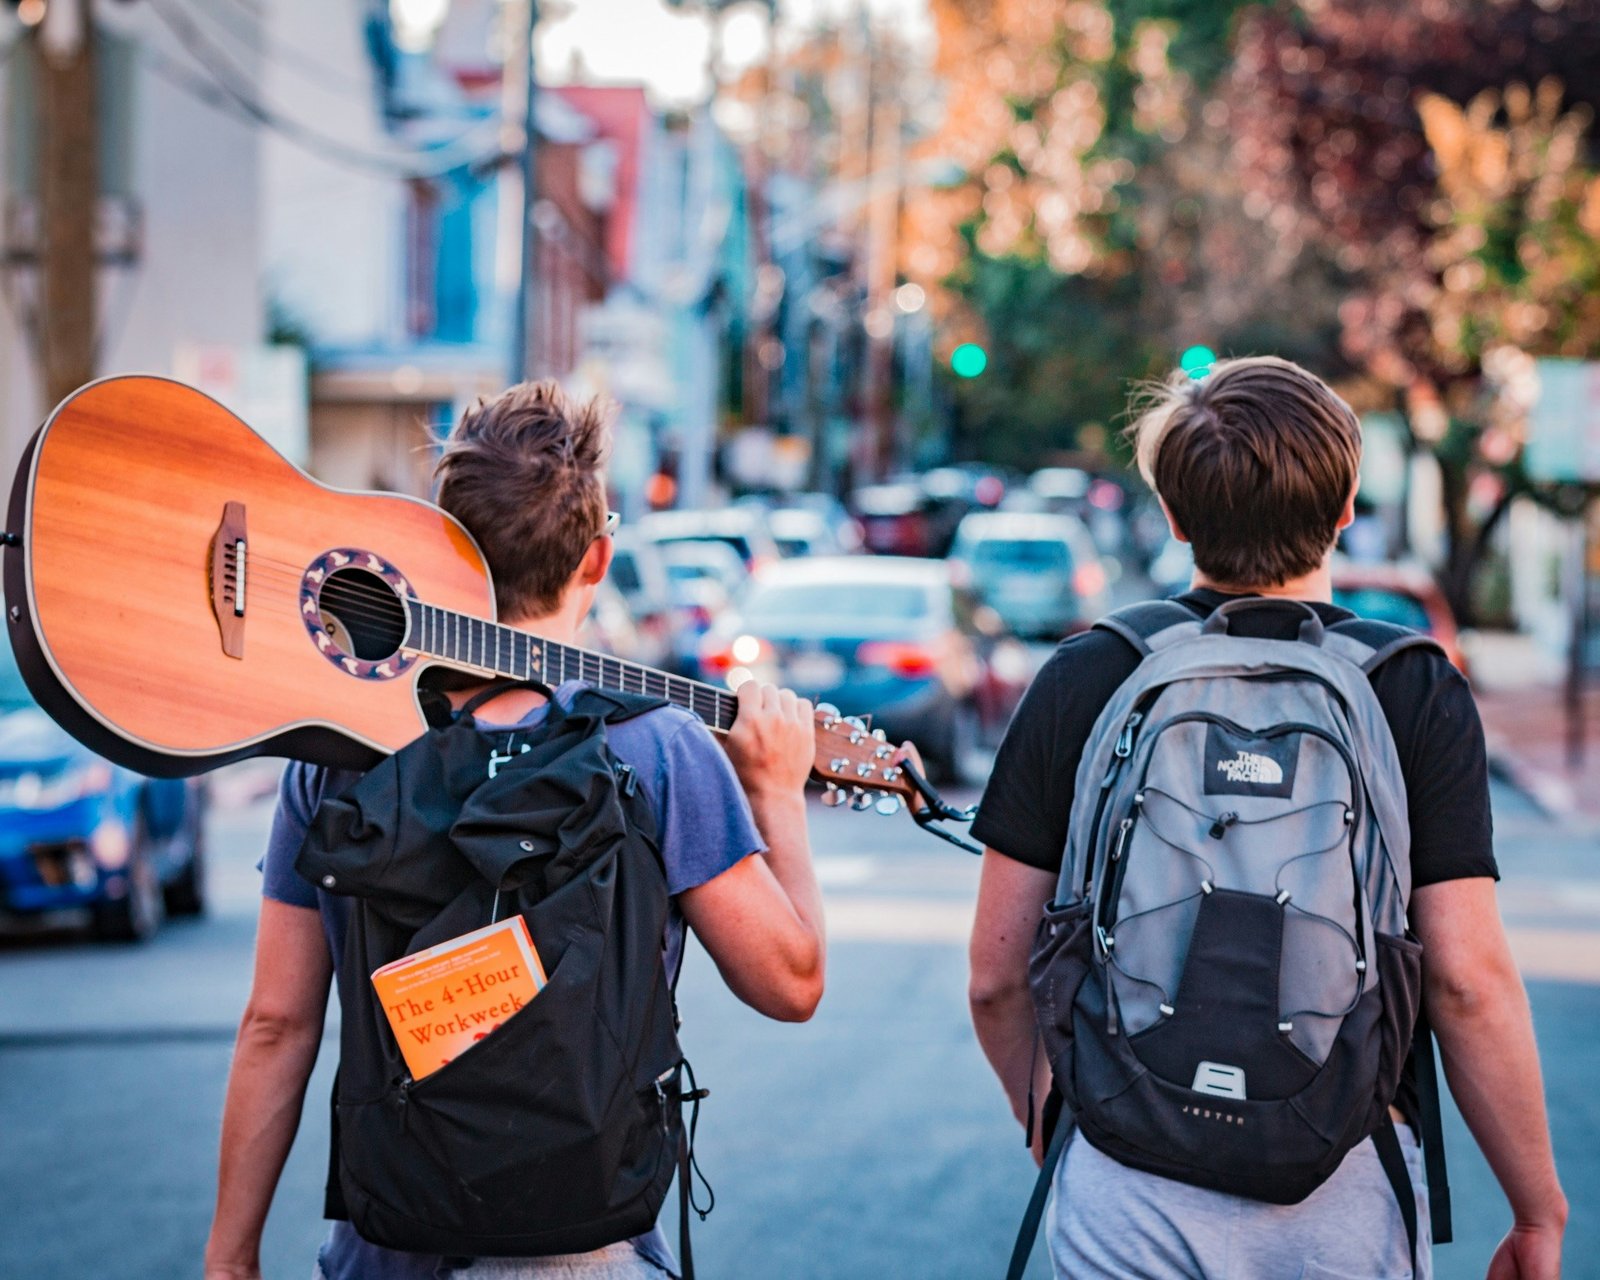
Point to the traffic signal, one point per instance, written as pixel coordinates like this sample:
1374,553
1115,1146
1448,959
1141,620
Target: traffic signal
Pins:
1197,361
968,360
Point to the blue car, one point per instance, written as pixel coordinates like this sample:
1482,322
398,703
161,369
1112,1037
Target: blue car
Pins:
882,636
78,832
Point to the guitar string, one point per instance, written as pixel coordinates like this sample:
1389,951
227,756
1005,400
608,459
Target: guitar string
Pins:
626,673
364,602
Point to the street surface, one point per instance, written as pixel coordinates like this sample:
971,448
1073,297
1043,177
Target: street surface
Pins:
871,1142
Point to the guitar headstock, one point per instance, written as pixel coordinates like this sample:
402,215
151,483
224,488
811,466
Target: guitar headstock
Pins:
852,761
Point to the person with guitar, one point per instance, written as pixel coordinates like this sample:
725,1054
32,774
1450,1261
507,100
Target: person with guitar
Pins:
523,474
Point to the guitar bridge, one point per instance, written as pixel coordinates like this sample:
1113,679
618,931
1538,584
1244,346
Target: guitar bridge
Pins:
228,565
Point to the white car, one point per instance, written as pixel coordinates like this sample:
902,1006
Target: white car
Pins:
1041,573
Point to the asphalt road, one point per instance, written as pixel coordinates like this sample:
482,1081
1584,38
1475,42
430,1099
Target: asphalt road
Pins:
869,1143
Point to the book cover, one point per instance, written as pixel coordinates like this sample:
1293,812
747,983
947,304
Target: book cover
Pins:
442,1001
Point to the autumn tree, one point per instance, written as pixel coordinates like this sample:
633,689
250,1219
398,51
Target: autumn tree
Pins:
1436,153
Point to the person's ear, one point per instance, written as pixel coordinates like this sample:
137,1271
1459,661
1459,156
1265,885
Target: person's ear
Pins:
1347,517
1172,522
596,562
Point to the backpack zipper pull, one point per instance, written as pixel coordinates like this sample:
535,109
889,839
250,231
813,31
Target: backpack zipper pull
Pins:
1122,839
1124,747
627,778
661,1097
1219,828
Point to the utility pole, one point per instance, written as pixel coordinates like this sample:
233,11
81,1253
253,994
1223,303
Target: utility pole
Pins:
69,196
525,325
885,181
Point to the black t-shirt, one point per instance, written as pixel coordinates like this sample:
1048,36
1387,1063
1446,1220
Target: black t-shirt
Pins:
1427,702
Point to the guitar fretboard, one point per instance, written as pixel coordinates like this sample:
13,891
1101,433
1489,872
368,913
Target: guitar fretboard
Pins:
465,641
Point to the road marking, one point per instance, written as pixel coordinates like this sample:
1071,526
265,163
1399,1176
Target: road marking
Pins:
845,870
872,919
1561,955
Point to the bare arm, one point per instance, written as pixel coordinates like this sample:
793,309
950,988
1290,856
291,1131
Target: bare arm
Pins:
1480,1014
761,920
1011,897
276,1050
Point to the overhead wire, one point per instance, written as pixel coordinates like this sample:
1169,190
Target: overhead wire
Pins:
226,75
251,32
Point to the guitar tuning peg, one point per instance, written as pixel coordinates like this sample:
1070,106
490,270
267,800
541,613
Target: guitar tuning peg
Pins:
880,735
857,723
833,797
888,804
861,800
827,710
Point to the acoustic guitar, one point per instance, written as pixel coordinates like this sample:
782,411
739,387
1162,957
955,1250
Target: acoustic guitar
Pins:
179,595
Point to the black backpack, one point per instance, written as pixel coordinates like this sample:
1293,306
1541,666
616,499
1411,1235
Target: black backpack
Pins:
561,1131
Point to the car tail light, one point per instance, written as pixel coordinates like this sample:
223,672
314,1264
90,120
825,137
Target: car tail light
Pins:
716,660
904,659
1089,579
742,651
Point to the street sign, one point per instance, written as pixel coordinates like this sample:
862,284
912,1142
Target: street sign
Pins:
1564,423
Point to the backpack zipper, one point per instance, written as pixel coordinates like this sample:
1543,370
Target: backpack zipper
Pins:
1120,753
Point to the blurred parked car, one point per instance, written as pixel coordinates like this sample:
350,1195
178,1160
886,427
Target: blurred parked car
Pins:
1040,573
799,531
889,637
610,628
743,528
702,578
78,832
640,575
1401,593
810,524
1172,569
893,519
1061,490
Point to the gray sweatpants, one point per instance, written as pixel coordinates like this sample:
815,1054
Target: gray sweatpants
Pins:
1110,1222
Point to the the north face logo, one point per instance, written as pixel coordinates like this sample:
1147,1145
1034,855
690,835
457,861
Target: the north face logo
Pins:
1248,767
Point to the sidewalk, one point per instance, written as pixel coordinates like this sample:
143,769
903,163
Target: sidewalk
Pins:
1521,696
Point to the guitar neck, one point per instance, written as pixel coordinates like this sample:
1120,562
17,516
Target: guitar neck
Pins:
495,649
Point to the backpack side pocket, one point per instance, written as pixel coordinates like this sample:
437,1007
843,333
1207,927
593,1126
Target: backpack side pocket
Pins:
1062,953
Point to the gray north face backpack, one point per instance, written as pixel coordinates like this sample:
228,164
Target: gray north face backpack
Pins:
1224,983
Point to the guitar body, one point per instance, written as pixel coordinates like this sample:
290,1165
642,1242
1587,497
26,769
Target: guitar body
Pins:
173,575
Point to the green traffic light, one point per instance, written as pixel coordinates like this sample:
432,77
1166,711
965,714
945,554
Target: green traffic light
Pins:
1197,361
968,360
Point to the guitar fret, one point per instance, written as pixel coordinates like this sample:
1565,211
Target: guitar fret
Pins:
490,646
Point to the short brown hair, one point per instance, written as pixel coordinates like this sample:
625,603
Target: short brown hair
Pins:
1255,460
524,473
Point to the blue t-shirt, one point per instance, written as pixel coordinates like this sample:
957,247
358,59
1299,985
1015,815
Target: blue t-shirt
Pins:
704,825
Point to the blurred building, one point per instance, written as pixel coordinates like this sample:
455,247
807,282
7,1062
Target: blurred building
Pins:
316,215
180,218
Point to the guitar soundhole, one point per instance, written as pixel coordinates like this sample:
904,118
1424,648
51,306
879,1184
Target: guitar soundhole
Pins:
362,613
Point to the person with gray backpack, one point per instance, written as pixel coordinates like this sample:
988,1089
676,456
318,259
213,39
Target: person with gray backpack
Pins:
1239,874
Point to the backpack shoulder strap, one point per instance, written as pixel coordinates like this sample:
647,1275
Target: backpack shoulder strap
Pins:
1149,625
613,707
1369,644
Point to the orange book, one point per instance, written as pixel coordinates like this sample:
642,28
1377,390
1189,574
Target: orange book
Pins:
442,1001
